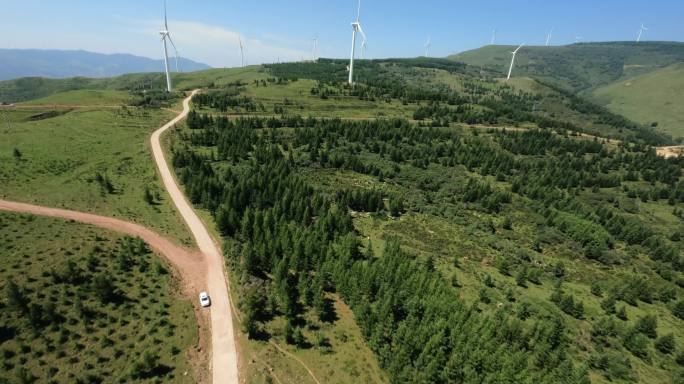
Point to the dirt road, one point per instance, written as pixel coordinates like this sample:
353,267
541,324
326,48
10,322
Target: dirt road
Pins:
224,353
190,265
673,151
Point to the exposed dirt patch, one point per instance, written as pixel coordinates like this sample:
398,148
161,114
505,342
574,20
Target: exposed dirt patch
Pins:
48,115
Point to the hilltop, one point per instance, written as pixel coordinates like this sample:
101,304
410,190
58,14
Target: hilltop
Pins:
60,64
455,92
578,67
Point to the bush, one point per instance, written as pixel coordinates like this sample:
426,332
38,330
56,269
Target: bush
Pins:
636,343
678,309
613,364
647,325
665,344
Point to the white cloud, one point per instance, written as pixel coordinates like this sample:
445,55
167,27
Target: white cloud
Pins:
219,47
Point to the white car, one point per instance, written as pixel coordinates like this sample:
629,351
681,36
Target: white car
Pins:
204,299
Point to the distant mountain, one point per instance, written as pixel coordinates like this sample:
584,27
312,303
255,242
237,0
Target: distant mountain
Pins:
59,64
579,66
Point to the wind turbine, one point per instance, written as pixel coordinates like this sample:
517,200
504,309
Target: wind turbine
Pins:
548,37
641,32
164,36
314,51
242,52
493,37
178,56
428,45
578,39
510,69
356,27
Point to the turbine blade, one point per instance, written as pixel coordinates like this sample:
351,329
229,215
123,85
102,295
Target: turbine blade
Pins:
166,24
358,12
172,44
362,34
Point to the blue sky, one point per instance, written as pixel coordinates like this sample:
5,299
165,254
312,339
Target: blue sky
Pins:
208,30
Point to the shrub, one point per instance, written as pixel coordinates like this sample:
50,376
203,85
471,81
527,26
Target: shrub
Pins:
665,343
647,325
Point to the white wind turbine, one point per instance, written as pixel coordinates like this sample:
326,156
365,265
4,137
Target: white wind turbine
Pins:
363,46
356,27
493,37
428,45
242,52
510,69
641,32
164,36
178,57
314,51
548,37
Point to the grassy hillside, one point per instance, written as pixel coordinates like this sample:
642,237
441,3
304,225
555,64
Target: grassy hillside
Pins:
465,252
650,98
91,307
578,66
94,159
30,88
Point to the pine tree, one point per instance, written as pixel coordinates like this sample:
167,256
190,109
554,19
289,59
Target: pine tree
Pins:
15,297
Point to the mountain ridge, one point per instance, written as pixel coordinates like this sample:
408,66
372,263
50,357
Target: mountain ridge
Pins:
60,64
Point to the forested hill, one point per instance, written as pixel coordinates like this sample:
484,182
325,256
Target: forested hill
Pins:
446,91
467,253
578,66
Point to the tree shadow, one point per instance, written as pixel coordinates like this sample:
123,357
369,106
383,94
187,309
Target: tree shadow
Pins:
158,371
7,333
329,314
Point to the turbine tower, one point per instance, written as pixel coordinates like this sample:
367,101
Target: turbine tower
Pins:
548,37
164,36
178,68
641,32
242,53
428,45
356,27
510,69
493,37
314,51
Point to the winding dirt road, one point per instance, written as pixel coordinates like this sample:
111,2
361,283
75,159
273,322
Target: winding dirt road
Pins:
224,352
200,272
191,266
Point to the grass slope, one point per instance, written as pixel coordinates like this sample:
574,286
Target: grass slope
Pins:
66,154
83,97
649,98
30,88
64,332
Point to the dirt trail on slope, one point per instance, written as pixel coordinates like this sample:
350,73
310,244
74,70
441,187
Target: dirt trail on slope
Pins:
191,265
224,351
672,151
